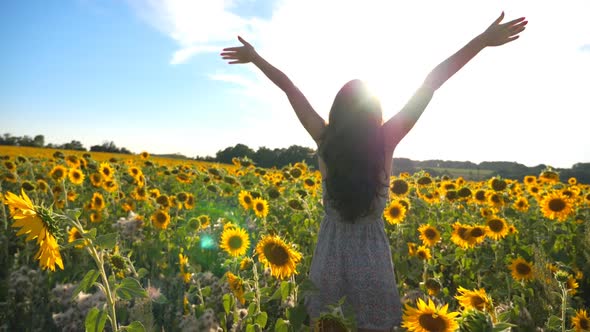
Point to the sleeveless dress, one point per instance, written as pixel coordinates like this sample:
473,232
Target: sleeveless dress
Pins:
354,260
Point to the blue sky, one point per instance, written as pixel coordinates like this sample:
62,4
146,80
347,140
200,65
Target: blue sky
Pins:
147,75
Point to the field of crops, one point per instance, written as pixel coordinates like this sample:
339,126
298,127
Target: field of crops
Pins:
132,242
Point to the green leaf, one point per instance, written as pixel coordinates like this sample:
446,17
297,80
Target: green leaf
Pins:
161,299
250,328
286,288
261,319
249,296
502,327
130,288
206,291
91,234
86,282
297,315
228,302
95,320
106,241
554,322
142,272
281,326
135,327
251,309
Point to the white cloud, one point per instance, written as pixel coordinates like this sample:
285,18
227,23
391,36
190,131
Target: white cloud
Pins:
197,26
524,101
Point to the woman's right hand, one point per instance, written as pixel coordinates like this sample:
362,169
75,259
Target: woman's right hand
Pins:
240,54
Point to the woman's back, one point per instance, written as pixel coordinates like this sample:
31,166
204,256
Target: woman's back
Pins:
353,259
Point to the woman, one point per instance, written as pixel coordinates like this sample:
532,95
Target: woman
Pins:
352,258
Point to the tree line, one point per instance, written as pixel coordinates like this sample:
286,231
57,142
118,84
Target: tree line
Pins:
39,142
280,157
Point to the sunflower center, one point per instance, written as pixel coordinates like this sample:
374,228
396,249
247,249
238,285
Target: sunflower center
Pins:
432,322
259,207
160,218
584,324
477,302
463,233
496,225
276,254
430,233
76,175
399,187
476,232
394,212
235,242
556,205
523,269
247,199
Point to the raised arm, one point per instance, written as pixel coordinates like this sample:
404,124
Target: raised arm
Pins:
496,34
309,118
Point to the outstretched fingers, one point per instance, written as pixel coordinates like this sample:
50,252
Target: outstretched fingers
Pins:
507,24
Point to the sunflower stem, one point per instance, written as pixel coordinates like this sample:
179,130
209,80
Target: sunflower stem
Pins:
563,304
256,288
98,259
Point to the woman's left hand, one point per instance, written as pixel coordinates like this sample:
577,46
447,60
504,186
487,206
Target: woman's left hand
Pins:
240,54
499,34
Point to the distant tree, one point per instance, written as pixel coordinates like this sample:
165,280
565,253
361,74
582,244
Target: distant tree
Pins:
39,141
238,151
109,146
265,157
73,145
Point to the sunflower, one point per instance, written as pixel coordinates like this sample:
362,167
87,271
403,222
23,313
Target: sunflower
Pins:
190,202
461,235
36,223
572,285
134,171
58,173
399,187
96,179
480,196
204,221
260,207
237,286
73,235
494,199
76,176
95,216
429,235
144,155
496,228
10,165
42,185
549,176
164,201
423,253
412,247
395,212
521,269
273,252
161,219
521,204
556,206
73,161
530,180
106,171
110,186
474,299
97,202
581,321
234,241
497,184
429,318
433,286
246,263
477,234
245,199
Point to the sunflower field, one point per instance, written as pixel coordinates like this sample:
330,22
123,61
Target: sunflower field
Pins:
96,241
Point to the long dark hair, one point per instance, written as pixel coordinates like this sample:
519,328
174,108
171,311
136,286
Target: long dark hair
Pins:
352,148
